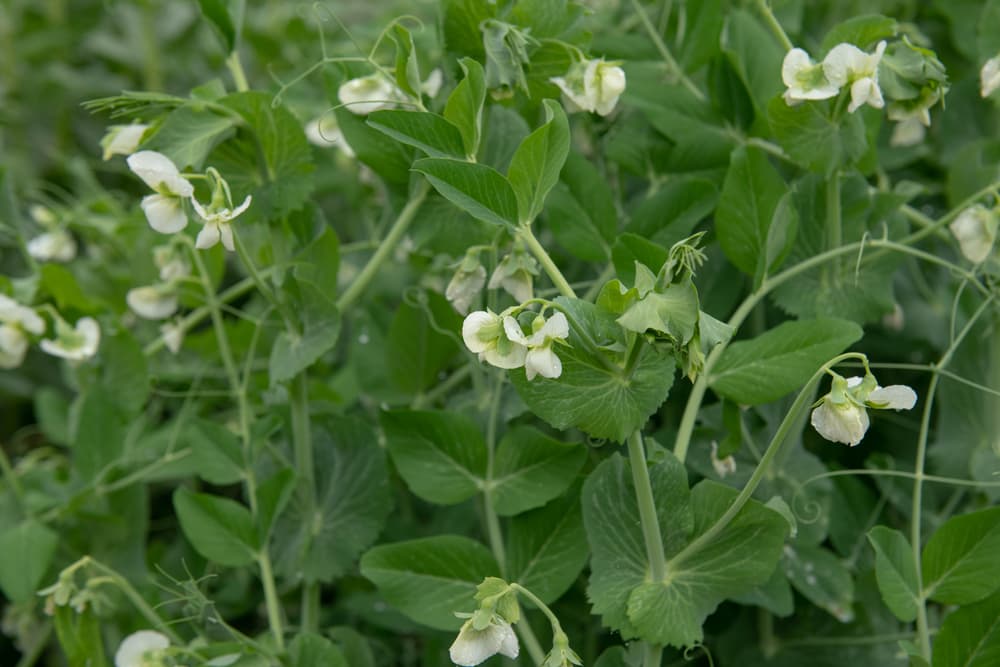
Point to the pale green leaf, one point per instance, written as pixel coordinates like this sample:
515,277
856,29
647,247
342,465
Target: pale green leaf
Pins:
547,547
429,132
220,529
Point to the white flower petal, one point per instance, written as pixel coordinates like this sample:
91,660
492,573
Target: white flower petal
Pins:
134,647
989,77
57,246
842,61
13,313
164,213
83,346
795,61
123,139
611,85
513,359
13,346
208,236
508,641
542,361
151,302
173,336
159,173
432,84
975,229
226,235
471,326
865,91
909,132
893,397
845,423
472,647
367,94
556,326
513,331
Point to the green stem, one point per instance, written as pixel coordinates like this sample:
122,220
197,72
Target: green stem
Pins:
668,58
801,401
553,620
555,275
298,396
396,232
258,280
236,69
133,596
647,508
923,631
772,23
271,599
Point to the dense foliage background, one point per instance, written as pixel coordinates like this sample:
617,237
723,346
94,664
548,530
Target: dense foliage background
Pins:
323,472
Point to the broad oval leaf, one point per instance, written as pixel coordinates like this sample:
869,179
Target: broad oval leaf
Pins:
781,360
895,572
970,636
430,579
959,563
429,132
531,469
547,547
220,529
536,164
26,552
479,190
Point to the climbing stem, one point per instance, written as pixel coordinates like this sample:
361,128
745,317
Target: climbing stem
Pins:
551,270
235,67
923,629
271,599
790,420
772,23
395,235
647,507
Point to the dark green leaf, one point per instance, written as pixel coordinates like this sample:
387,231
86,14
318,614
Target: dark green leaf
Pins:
547,548
418,348
26,552
217,13
427,131
430,579
862,31
464,108
220,529
293,353
895,572
536,164
188,134
531,469
970,636
781,360
755,55
813,139
959,563
479,190
309,650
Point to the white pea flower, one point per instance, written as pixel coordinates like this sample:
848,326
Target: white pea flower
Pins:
484,334
164,210
465,285
369,93
152,302
172,263
592,85
472,646
16,322
724,466
989,76
43,215
144,648
847,64
805,79
432,84
122,139
55,246
976,230
75,344
324,132
841,415
541,359
217,227
173,336
515,273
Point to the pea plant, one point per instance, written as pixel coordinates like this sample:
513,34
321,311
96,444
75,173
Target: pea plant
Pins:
622,333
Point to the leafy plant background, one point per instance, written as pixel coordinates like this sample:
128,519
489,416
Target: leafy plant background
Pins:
429,471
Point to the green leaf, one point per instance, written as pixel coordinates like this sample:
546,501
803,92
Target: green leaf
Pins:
479,190
536,164
188,134
781,360
748,203
531,469
619,562
821,578
739,558
774,595
273,495
547,548
293,353
269,157
310,650
755,55
352,503
26,552
970,636
862,31
460,25
814,140
407,66
572,226
895,572
673,312
216,451
219,529
417,347
217,13
353,645
440,455
62,286
672,213
387,157
430,579
959,562
124,377
464,108
603,402
98,434
427,131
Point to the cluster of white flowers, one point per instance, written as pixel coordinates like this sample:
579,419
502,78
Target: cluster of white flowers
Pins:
840,416
592,85
499,341
377,91
844,65
472,646
145,648
975,228
18,323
